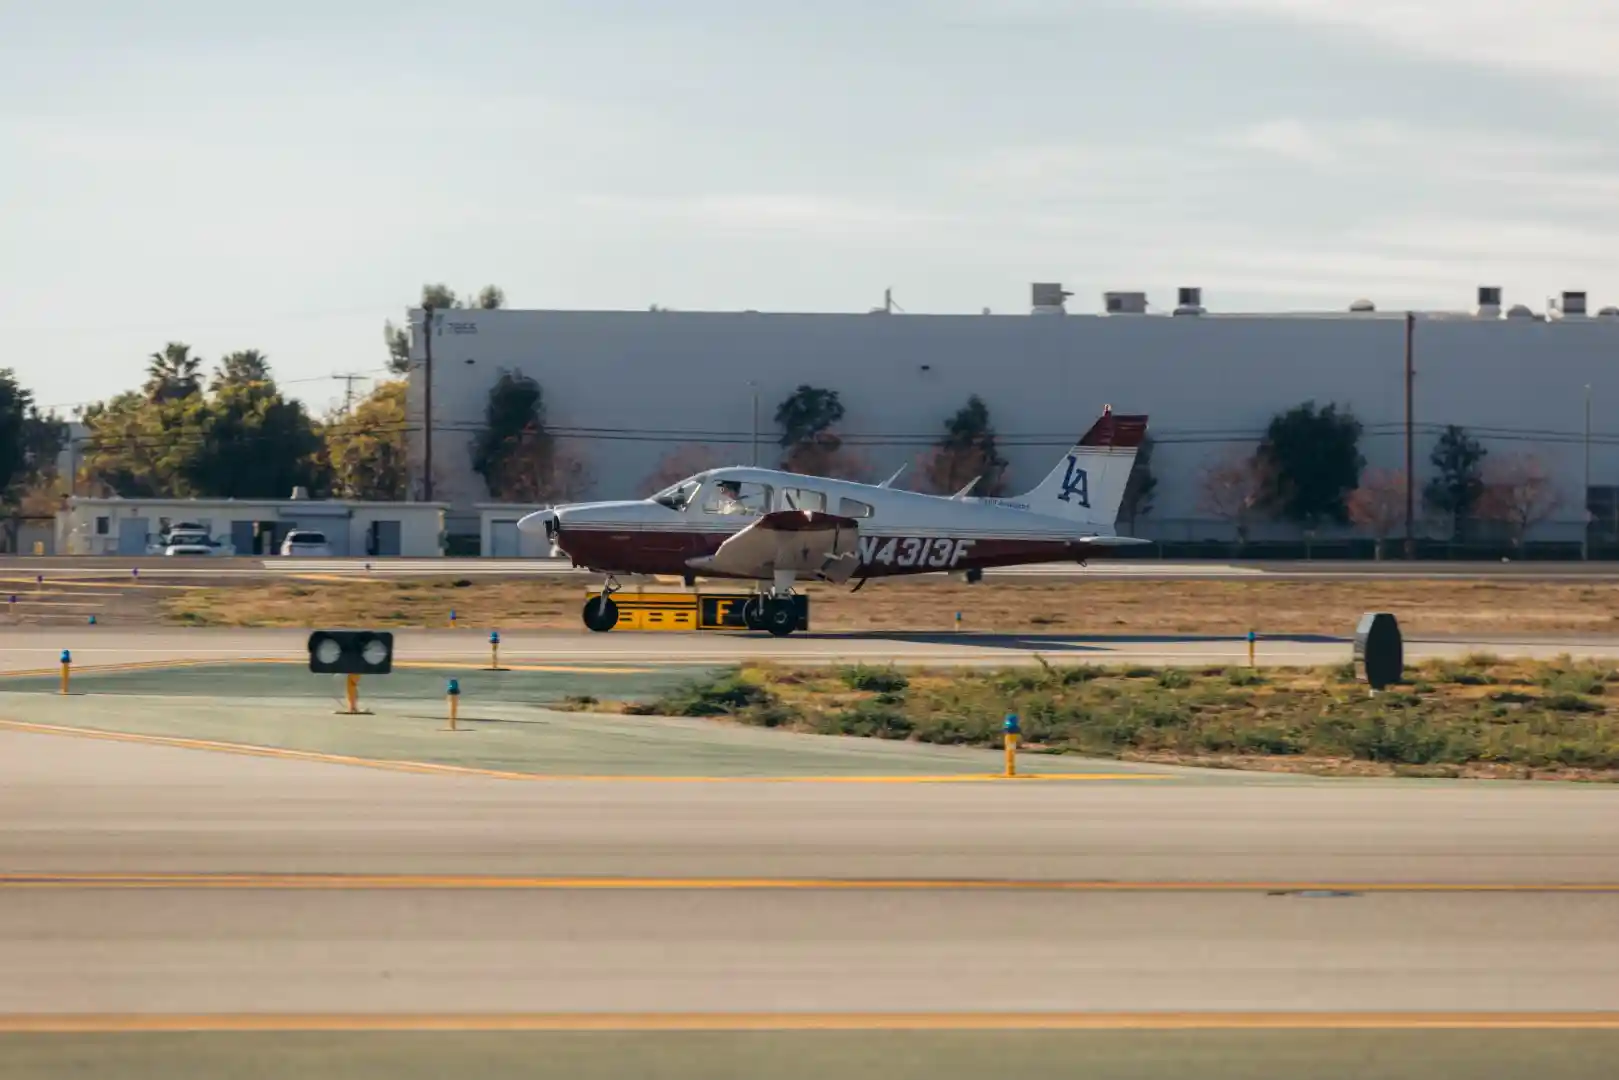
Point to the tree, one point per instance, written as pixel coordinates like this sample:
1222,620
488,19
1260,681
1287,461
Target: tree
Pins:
173,374
241,368
1312,462
518,458
811,448
29,442
1232,489
366,448
253,443
965,454
806,413
1519,493
681,462
1456,490
491,298
240,440
1139,485
1378,504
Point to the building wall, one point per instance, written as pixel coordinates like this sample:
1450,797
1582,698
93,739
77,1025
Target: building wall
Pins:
626,387
421,525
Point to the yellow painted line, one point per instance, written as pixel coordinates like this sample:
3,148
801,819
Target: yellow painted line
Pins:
79,1023
498,774
500,883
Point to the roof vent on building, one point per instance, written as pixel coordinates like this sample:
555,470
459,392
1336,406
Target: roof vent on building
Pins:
1489,302
1047,297
1124,303
1520,311
1609,312
1363,305
1189,300
1570,306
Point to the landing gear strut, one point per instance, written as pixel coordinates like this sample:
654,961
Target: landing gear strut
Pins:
775,610
600,613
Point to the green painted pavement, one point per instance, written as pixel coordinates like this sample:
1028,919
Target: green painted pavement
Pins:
523,738
1207,1055
294,680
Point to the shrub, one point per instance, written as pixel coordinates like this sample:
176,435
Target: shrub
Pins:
882,680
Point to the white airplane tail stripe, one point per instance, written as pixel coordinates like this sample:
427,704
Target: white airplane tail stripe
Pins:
1087,486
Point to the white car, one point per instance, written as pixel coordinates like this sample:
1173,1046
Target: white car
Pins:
306,542
193,543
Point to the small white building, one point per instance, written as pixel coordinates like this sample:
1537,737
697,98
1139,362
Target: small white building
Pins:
253,526
498,535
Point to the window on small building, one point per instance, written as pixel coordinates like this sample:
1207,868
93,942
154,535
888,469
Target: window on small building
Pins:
854,508
103,526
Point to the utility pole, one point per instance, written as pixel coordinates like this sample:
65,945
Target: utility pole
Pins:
1585,503
348,388
755,386
1410,454
427,404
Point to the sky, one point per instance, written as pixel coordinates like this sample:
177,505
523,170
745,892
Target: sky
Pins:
286,178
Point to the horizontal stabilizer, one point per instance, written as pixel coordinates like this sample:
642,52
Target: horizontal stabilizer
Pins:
1112,541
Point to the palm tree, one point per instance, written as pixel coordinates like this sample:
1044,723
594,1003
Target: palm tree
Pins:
242,368
173,373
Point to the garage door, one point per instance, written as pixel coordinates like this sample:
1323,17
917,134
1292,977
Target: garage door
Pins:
503,539
132,535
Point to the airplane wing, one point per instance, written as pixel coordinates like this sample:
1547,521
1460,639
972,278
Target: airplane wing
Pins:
818,545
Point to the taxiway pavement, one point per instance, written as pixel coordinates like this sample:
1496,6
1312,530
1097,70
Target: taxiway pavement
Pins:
37,649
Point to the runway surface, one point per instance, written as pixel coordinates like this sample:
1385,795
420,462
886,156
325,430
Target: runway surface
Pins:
38,649
833,900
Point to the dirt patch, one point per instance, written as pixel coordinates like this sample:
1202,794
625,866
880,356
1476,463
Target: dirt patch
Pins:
1052,606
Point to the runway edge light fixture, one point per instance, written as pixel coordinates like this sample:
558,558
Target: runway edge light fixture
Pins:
351,652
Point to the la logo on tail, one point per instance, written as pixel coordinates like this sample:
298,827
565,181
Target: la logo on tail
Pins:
1076,485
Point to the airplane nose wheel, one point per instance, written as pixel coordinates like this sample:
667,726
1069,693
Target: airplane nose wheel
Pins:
753,614
601,614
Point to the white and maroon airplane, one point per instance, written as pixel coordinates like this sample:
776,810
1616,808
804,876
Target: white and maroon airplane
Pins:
778,528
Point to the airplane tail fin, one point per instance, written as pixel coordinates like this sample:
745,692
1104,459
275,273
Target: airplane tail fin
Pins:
1087,486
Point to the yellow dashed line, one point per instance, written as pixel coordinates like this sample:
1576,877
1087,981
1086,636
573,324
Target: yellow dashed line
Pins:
497,774
791,1021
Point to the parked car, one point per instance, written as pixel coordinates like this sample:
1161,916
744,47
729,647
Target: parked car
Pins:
306,542
194,543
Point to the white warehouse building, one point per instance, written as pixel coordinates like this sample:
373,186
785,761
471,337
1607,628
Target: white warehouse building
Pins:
624,388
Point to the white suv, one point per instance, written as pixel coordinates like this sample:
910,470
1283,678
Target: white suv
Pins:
306,542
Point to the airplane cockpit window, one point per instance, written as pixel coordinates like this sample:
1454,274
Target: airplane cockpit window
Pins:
736,497
803,499
854,508
676,496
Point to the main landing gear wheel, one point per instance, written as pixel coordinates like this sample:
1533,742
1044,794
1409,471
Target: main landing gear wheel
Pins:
781,616
601,614
753,615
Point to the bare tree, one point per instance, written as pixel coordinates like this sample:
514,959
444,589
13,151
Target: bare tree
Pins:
1378,504
1519,493
685,460
1232,489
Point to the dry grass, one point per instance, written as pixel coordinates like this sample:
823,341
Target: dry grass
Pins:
1479,717
1056,606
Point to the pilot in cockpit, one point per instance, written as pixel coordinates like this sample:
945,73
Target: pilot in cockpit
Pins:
728,498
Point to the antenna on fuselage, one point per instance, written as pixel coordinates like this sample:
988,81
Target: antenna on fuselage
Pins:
890,481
